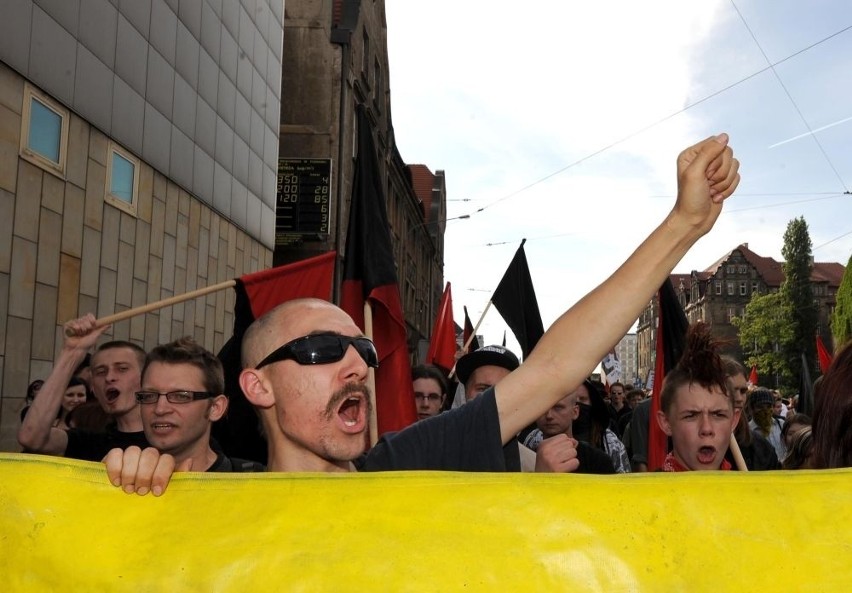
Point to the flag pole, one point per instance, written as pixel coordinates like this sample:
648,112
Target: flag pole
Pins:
738,455
174,300
471,337
371,378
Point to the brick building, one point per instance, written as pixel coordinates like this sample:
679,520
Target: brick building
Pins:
721,292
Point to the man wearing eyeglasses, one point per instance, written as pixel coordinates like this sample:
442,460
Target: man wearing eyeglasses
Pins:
180,399
430,390
306,362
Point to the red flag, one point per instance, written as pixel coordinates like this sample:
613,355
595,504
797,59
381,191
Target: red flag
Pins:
369,276
467,333
442,347
257,293
752,377
824,356
671,340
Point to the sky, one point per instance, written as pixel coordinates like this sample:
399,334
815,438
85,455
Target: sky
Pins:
560,122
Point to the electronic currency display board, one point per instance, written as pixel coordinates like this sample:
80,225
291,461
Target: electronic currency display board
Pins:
303,200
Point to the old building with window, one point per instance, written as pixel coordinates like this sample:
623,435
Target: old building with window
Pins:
335,61
721,292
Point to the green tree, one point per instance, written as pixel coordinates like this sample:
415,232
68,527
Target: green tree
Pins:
841,320
764,331
797,294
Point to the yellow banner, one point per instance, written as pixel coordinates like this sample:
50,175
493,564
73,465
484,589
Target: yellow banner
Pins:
64,528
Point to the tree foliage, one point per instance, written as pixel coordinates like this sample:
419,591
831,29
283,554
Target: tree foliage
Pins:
764,333
841,320
797,292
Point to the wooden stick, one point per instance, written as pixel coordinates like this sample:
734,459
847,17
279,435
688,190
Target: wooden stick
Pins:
471,337
738,455
371,378
193,294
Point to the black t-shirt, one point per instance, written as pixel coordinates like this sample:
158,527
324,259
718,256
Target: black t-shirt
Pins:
234,465
464,439
758,456
93,446
593,460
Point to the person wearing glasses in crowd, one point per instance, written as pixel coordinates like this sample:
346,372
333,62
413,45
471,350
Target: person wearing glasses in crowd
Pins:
430,390
305,363
182,395
115,370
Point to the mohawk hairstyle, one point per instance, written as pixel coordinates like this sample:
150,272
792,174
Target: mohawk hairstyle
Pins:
700,364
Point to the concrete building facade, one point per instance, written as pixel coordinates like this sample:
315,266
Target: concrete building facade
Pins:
138,158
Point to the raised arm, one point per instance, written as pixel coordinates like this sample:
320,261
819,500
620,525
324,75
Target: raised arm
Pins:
37,433
707,175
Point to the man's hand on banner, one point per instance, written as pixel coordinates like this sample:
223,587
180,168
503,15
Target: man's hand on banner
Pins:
142,471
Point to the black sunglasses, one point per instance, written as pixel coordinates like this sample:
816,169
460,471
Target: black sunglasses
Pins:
323,349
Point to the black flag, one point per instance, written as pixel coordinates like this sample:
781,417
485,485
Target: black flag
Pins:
515,299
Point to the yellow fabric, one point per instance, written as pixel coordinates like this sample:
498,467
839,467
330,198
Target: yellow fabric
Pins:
64,528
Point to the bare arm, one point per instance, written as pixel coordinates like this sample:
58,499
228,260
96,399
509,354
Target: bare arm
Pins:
37,433
707,175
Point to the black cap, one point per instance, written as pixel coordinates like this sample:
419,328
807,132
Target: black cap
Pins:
497,356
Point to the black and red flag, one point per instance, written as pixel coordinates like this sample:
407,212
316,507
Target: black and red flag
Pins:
671,341
238,433
824,356
515,299
468,337
442,346
369,277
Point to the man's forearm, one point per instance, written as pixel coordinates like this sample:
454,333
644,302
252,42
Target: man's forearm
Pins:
35,432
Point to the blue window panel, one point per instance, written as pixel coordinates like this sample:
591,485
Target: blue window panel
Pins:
121,184
45,134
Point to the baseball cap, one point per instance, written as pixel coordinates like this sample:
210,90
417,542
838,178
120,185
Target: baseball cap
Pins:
488,356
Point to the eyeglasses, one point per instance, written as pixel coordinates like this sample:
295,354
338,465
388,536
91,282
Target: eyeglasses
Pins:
323,349
173,397
432,398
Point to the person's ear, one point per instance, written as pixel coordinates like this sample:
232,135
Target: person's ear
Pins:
256,388
218,407
735,419
663,422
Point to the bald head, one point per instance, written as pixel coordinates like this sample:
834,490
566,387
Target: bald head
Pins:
288,321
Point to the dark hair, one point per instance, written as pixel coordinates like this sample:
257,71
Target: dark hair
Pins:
833,414
186,350
137,350
620,384
700,363
799,456
800,419
599,413
32,388
428,371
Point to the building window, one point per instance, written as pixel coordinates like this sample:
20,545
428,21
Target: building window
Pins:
743,270
44,131
754,287
732,270
122,181
743,288
730,289
732,312
718,287
365,61
377,86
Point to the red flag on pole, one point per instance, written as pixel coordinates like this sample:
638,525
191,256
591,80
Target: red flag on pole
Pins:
442,347
752,377
257,293
369,276
671,340
824,356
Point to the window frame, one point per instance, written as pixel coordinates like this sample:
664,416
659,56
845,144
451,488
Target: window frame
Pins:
112,199
31,94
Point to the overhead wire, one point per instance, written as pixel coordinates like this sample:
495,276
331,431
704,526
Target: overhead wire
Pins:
770,66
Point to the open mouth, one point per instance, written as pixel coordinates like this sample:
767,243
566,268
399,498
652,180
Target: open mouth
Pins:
111,394
161,427
350,411
351,406
706,455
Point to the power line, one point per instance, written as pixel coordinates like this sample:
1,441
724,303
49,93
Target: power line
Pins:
789,96
771,66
